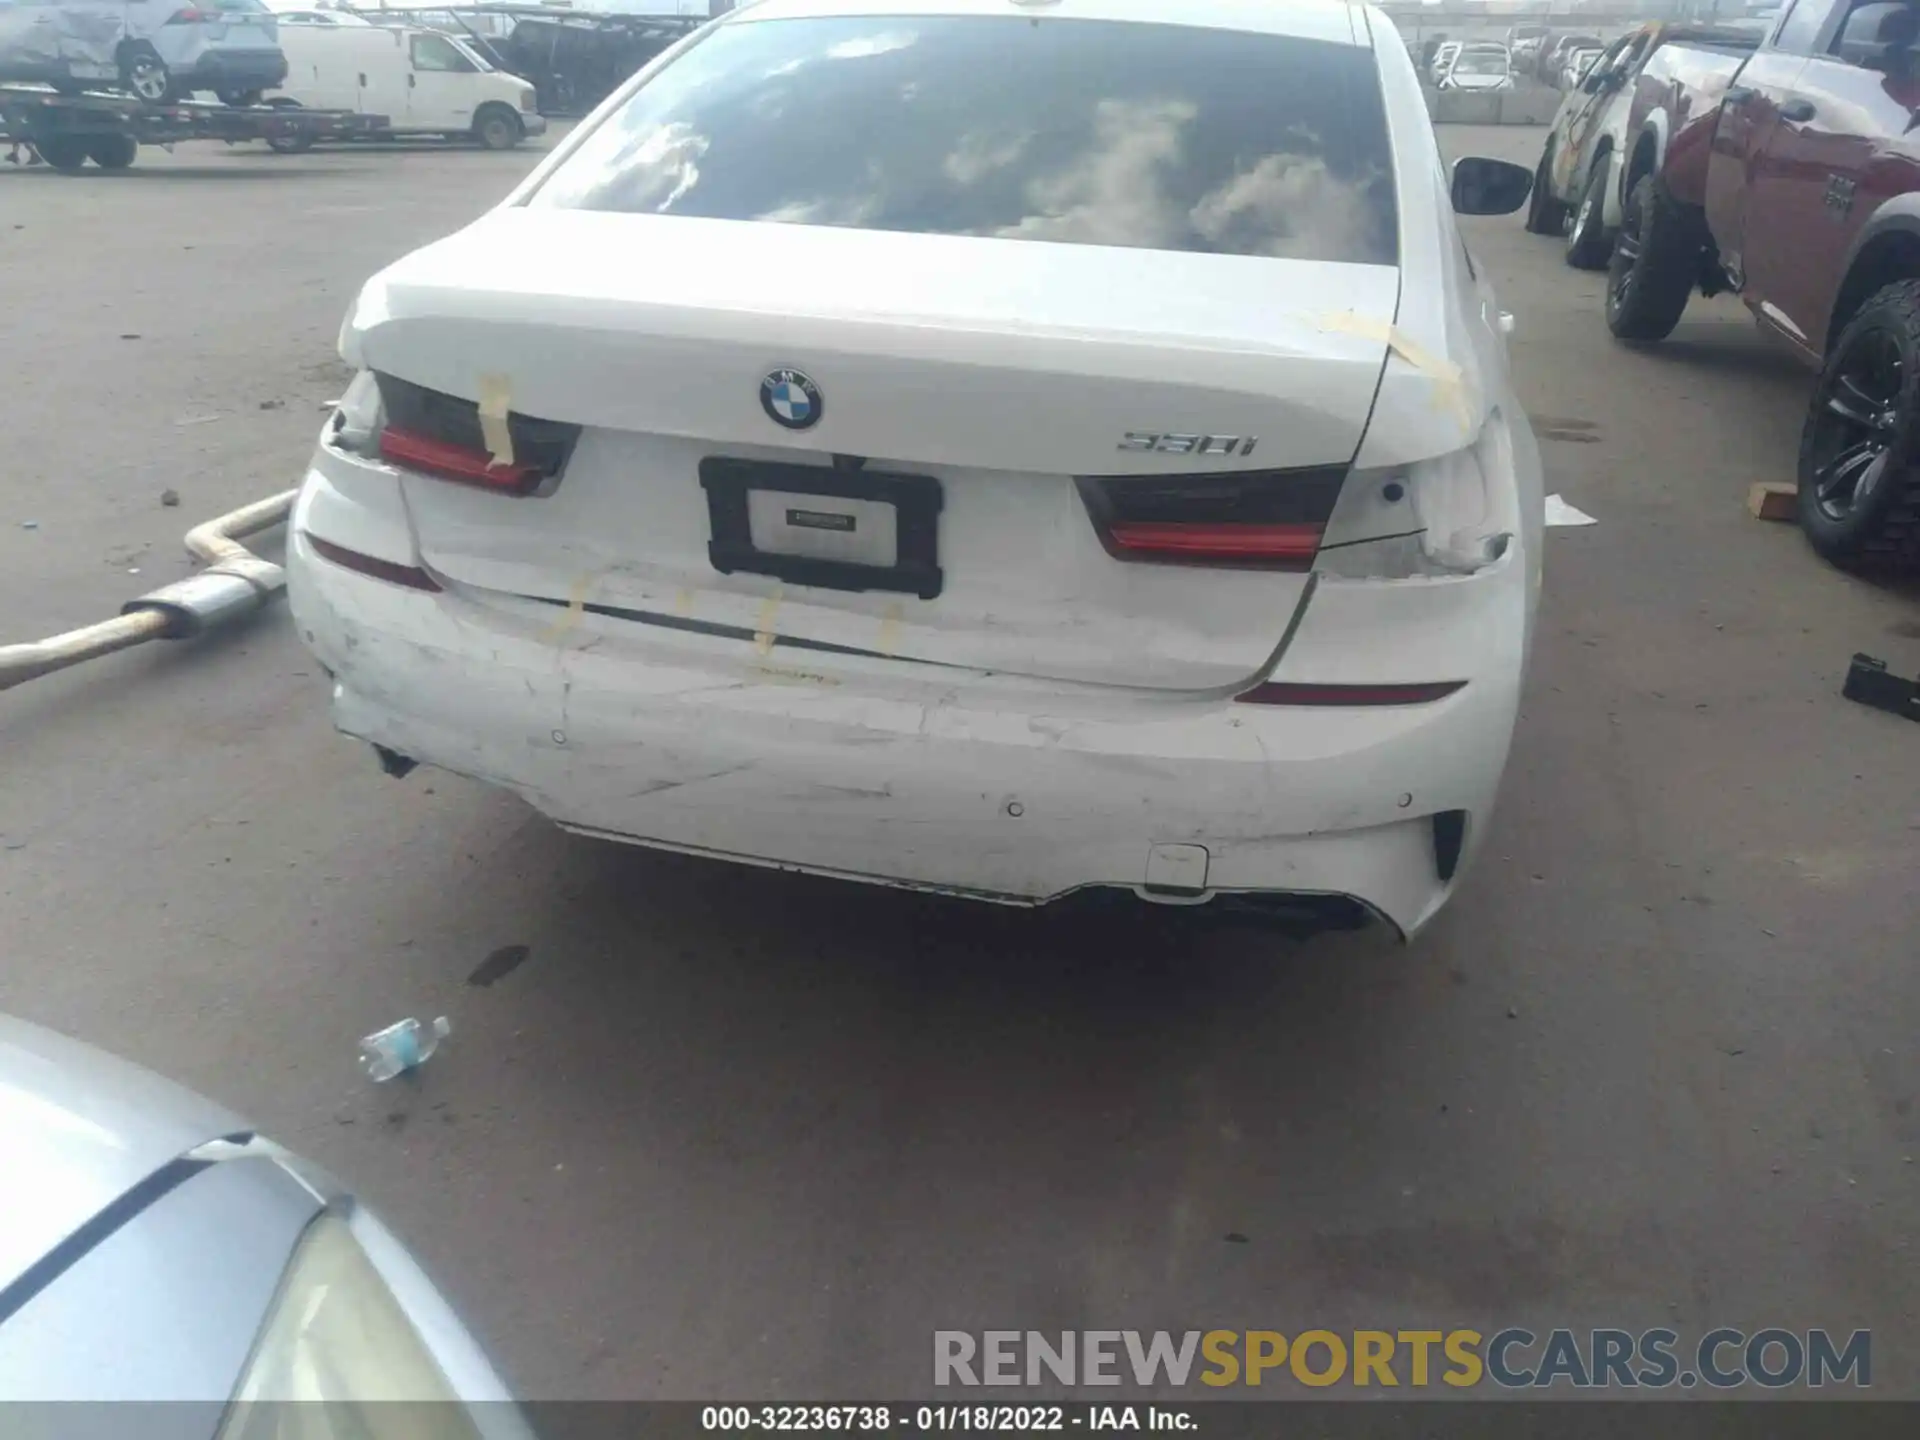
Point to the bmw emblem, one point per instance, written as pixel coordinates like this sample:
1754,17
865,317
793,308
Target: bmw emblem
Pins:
791,400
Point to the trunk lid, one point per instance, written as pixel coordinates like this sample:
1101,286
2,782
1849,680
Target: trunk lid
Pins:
1001,369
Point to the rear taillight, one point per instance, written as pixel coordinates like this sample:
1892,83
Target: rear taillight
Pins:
1263,519
441,435
191,16
455,462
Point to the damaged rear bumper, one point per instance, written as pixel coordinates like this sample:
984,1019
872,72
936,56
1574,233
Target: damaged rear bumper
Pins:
1003,790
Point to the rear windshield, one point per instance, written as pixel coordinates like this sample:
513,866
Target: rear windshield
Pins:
1480,62
1089,132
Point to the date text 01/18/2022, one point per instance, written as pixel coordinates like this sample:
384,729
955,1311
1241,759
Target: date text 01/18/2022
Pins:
942,1419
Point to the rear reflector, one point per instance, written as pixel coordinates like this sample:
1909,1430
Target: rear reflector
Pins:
441,435
1449,838
1278,694
407,575
1266,519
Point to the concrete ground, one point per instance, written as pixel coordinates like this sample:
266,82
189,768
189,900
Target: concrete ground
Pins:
724,1133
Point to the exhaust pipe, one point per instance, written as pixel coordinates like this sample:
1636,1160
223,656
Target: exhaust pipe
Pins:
235,583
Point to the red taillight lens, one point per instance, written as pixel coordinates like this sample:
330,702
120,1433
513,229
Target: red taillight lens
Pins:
1172,541
441,435
455,462
1336,695
191,16
1266,519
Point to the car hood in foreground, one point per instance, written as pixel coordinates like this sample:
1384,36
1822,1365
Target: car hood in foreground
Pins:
78,1129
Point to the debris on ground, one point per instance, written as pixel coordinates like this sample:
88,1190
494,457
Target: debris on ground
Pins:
29,524
170,498
403,1046
1771,500
1559,512
271,404
497,965
1870,683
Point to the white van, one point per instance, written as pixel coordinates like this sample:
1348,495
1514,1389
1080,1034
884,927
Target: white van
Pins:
424,82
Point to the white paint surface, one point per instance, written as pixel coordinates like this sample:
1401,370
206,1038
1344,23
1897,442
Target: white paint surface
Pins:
1056,718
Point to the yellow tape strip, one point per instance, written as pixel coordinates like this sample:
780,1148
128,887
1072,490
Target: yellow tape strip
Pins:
764,633
496,399
1449,380
576,607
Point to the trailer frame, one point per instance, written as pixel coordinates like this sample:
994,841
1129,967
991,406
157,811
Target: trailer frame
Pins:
67,129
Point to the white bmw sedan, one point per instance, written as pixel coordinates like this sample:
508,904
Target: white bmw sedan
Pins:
1000,447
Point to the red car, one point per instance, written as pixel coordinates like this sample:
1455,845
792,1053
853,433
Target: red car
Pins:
1792,177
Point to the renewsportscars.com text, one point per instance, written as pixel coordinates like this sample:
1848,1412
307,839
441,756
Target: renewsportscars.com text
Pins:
1512,1358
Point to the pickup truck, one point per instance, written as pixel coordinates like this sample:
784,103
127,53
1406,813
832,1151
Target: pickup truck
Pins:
1576,188
1791,177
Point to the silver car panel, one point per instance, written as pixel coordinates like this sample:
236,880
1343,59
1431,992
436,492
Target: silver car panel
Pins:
166,1307
145,1232
78,1129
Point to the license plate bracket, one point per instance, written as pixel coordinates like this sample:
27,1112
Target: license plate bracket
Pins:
915,502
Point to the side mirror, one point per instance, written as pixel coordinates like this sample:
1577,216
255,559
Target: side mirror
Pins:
1879,37
1489,187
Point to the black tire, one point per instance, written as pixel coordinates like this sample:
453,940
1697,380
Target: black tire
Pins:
1589,247
1859,477
497,128
113,152
295,144
144,75
66,153
1656,262
1545,215
239,99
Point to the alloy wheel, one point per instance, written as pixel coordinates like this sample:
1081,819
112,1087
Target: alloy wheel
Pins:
1857,421
147,78
1626,251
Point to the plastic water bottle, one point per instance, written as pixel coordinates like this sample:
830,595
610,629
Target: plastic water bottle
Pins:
401,1047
